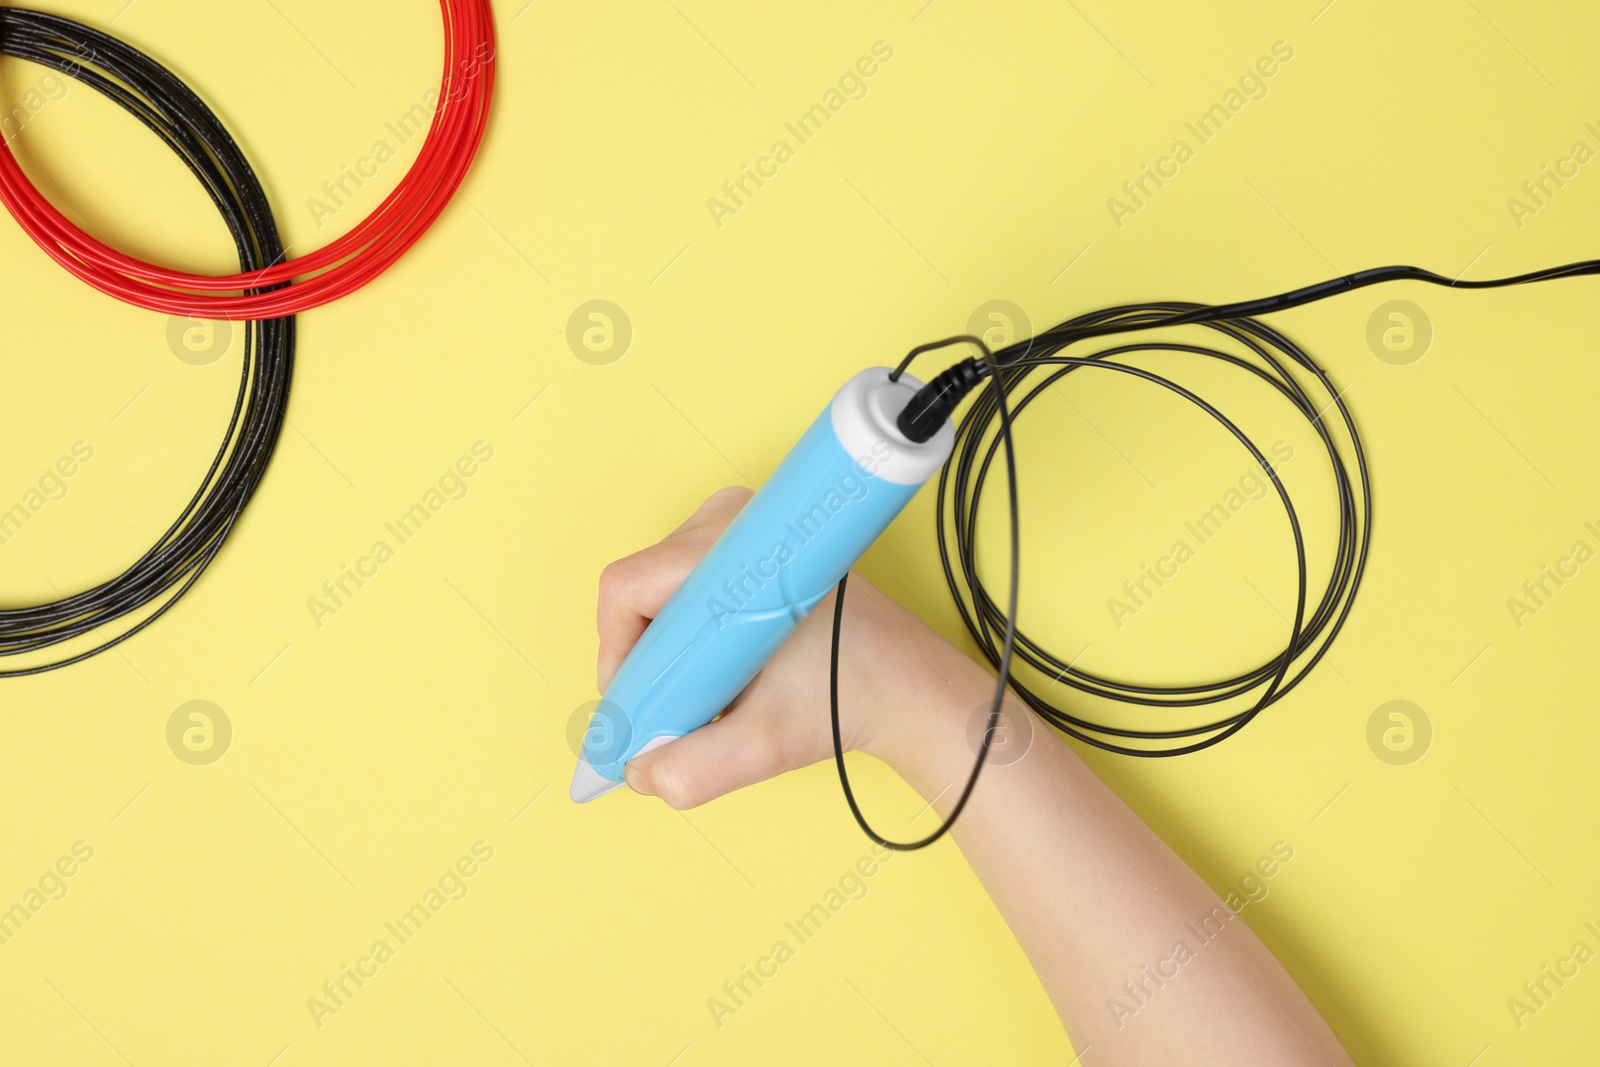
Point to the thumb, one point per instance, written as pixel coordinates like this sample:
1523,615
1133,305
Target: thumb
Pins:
737,750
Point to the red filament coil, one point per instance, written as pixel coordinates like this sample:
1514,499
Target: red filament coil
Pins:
320,277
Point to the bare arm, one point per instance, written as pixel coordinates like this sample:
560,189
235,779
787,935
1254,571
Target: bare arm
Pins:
1143,962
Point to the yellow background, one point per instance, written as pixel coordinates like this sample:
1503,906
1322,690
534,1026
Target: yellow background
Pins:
433,710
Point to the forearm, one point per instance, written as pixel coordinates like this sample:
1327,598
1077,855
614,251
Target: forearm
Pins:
1143,962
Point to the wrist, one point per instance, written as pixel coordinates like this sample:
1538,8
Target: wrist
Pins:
925,702
929,730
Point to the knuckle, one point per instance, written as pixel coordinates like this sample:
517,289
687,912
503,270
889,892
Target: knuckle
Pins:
719,508
731,494
779,752
613,580
677,785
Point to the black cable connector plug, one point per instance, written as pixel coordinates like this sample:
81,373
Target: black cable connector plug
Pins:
935,402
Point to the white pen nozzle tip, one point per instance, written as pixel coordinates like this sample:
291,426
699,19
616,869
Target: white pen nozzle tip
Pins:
587,783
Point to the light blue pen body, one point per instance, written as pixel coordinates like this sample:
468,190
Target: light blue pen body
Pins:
846,479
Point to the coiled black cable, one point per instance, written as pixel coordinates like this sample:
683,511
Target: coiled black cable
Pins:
1269,357
1259,350
164,573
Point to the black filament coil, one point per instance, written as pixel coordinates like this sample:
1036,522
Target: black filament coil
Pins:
170,567
1271,358
961,482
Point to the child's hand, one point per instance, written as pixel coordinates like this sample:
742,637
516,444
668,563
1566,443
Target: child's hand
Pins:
1089,890
902,687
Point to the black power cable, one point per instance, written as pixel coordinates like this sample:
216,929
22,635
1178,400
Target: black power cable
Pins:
1260,351
157,579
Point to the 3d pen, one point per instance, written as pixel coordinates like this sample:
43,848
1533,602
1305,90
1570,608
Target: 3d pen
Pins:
851,473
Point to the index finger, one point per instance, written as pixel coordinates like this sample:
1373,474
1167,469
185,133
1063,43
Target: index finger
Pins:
635,588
